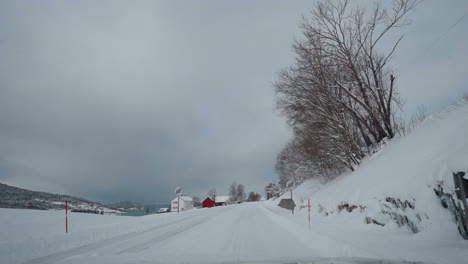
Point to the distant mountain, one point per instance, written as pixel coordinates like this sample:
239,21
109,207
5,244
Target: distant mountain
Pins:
14,197
127,205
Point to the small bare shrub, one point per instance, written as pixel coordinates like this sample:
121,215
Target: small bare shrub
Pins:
321,209
417,118
350,207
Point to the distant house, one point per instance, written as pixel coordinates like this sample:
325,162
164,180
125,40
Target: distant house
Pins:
162,210
208,203
186,203
220,201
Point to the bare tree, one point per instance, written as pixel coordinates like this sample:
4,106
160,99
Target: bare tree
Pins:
212,194
302,159
273,190
241,193
253,197
236,193
340,96
233,195
196,201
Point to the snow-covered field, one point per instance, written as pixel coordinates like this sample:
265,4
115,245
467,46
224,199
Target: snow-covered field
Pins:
406,170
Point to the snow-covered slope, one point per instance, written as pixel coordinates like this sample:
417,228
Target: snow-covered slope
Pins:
14,197
395,187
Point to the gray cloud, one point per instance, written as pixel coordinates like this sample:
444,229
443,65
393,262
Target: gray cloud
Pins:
432,60
125,101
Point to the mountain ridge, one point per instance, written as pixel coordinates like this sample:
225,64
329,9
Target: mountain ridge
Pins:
19,198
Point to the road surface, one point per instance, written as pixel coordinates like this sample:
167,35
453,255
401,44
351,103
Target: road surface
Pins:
231,233
244,233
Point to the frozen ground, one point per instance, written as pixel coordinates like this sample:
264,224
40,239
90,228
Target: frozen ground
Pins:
248,233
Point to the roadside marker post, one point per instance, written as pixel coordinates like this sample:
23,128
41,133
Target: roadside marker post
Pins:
66,216
308,206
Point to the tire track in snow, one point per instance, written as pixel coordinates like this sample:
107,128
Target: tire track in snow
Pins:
95,247
170,234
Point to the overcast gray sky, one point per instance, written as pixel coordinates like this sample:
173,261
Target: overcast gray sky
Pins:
125,100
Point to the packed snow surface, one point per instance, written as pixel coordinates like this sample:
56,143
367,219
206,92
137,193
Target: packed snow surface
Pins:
250,232
406,169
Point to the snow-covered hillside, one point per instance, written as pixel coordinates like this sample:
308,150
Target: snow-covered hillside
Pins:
14,197
395,187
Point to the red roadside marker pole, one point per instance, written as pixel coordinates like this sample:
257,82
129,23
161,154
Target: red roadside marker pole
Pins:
66,216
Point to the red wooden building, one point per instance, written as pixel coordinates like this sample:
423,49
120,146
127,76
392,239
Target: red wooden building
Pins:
220,200
208,203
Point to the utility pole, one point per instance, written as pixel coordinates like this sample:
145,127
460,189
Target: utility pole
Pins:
66,216
178,191
291,184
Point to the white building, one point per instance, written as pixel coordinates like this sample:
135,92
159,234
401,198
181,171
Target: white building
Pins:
163,210
186,203
222,200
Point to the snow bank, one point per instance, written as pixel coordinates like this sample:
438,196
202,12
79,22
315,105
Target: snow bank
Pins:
396,184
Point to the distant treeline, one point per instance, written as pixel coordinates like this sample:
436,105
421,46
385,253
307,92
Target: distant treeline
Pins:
88,211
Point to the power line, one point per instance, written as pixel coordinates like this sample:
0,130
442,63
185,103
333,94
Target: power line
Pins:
426,51
445,33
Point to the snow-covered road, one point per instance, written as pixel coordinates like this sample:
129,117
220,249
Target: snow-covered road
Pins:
245,233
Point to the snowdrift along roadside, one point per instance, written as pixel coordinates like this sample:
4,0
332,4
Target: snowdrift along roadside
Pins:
395,187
